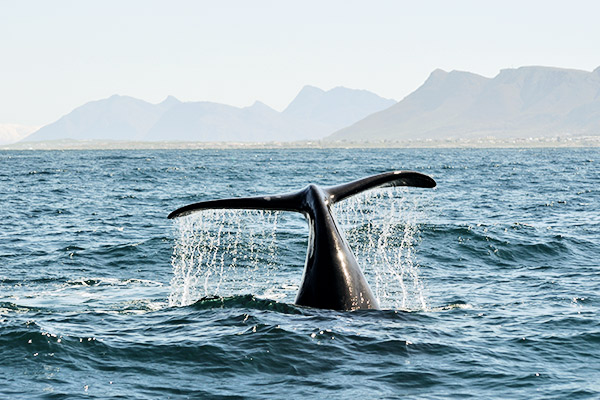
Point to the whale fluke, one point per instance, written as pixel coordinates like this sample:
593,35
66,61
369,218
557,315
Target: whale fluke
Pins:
286,202
293,201
332,278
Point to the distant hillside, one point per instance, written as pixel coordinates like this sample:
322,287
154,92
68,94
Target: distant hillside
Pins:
213,122
313,114
114,118
334,109
517,103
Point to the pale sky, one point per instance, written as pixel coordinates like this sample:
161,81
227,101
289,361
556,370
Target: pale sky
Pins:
57,55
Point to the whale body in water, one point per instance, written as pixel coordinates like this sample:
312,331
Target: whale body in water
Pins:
332,278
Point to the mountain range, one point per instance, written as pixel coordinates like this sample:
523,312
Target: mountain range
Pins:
517,103
313,114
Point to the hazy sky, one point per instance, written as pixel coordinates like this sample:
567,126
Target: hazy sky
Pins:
57,55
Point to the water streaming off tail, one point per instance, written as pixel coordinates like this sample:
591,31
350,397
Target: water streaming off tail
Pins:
224,252
234,252
380,227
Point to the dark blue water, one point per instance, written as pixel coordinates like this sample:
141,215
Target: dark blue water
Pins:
506,250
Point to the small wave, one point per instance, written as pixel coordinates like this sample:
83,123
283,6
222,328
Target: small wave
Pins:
578,343
45,172
111,282
459,306
568,322
141,306
71,248
252,302
34,280
542,250
244,301
10,308
504,244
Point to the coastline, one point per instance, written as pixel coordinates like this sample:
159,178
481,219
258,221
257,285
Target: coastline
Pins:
489,142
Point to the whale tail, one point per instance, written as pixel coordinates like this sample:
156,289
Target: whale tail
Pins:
332,278
296,201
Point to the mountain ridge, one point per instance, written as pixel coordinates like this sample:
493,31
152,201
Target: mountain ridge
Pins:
526,101
314,113
523,102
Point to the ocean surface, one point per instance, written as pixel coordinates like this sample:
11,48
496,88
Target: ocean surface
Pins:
489,283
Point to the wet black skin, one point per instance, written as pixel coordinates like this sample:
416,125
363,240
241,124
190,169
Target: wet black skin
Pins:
332,278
